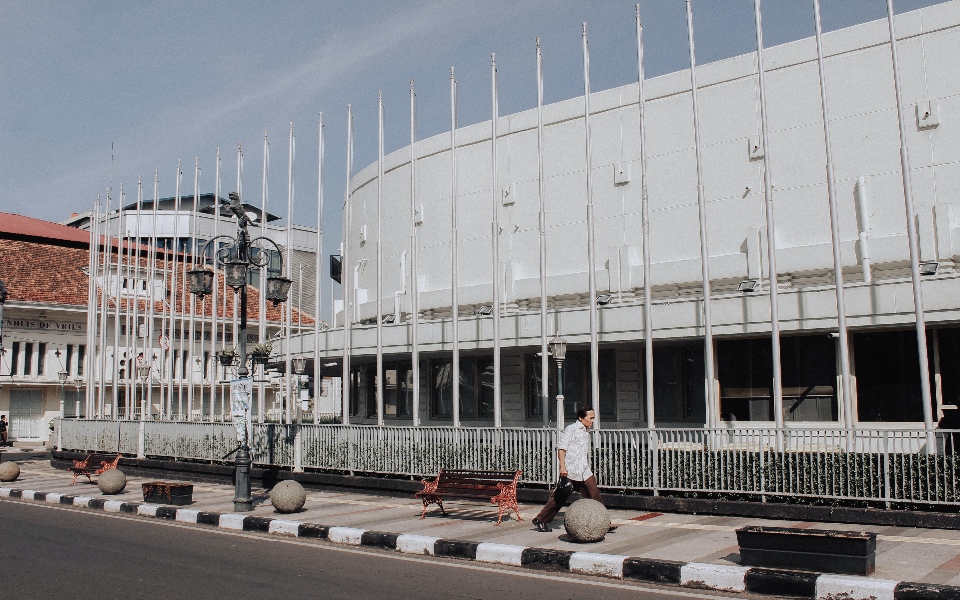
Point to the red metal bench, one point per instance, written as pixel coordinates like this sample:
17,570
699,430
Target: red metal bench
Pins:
93,464
500,487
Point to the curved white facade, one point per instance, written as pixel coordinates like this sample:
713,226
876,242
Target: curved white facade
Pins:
865,147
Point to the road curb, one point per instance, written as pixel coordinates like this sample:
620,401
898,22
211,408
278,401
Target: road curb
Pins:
729,578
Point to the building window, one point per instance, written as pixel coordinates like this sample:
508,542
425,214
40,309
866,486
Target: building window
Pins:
206,364
678,382
949,346
69,359
14,358
808,373
888,375
81,356
27,358
576,384
41,358
476,387
362,382
397,389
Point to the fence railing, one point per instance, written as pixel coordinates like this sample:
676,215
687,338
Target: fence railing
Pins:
878,465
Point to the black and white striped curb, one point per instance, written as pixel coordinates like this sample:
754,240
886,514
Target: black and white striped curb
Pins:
730,578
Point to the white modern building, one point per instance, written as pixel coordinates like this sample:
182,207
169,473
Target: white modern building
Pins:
592,225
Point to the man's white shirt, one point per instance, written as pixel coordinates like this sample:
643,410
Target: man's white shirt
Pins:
575,439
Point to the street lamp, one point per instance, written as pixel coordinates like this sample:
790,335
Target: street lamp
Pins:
558,348
143,371
62,376
236,258
78,382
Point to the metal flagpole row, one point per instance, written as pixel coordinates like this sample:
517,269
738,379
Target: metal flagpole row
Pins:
264,272
591,249
544,357
151,293
192,297
318,266
115,367
645,217
414,243
138,355
845,383
454,297
287,307
913,243
93,293
712,408
171,337
345,272
495,241
104,306
215,301
771,238
380,373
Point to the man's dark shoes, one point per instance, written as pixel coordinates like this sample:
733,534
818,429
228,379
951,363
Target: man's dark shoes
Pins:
541,526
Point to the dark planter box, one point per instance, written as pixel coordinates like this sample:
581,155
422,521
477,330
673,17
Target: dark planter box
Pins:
846,552
260,359
226,359
159,492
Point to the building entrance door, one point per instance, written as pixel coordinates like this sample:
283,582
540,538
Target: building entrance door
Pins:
26,414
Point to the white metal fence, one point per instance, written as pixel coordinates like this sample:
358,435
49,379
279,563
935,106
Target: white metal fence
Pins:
881,465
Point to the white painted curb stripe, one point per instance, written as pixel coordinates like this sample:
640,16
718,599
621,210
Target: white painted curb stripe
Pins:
416,544
27,494
713,577
285,527
588,563
231,521
53,498
187,515
5,492
81,501
147,510
850,587
503,554
112,506
345,535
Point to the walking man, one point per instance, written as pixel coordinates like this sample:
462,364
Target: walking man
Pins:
3,430
573,453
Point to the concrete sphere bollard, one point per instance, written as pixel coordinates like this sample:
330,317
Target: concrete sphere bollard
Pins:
9,471
587,520
288,496
112,482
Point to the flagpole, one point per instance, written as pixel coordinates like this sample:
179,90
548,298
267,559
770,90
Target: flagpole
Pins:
771,237
913,243
495,240
645,216
380,373
345,275
215,302
136,302
544,355
192,298
92,299
288,308
105,308
455,300
264,273
712,416
591,248
842,343
151,287
318,270
414,285
115,375
173,289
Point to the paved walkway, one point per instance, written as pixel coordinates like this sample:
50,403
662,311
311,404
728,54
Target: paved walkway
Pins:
920,555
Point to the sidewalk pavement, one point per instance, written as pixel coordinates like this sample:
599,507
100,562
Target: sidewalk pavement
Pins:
903,554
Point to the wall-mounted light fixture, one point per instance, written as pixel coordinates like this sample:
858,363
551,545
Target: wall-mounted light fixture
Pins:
486,309
748,285
929,267
604,299
389,318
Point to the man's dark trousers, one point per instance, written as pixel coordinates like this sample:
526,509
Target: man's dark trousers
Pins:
587,489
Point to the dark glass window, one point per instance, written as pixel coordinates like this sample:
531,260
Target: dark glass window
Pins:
949,343
679,382
14,358
69,359
81,356
888,375
362,390
476,387
41,358
808,373
27,358
397,389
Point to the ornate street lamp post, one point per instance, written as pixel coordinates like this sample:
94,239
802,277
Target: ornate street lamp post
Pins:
3,298
235,258
78,382
558,348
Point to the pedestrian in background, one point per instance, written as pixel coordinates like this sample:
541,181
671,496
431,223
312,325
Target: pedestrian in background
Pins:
3,430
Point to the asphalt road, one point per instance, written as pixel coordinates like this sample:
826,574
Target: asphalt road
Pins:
48,552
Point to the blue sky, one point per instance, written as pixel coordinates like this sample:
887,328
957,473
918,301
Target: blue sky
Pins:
166,80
